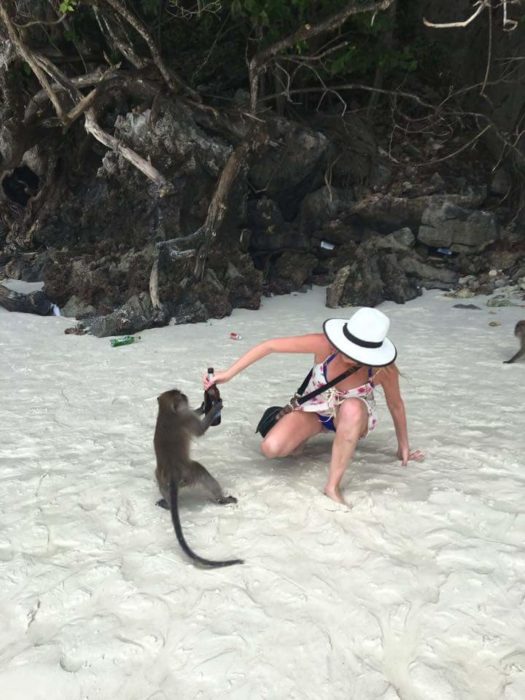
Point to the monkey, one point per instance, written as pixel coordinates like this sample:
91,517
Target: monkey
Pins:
519,332
176,425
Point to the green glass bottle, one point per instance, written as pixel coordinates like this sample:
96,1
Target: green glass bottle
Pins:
123,340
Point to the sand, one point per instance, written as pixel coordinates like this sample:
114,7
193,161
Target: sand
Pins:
416,592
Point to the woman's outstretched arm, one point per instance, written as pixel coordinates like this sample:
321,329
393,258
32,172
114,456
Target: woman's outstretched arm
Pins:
315,343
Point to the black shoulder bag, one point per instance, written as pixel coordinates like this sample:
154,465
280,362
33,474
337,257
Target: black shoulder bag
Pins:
272,414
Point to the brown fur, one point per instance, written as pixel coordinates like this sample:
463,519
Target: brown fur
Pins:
176,425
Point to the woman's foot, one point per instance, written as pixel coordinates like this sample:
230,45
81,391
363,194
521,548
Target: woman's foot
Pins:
335,494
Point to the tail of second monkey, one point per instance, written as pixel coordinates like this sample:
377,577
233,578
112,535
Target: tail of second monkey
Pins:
174,500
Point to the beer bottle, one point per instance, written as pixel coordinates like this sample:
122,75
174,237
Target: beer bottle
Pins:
211,396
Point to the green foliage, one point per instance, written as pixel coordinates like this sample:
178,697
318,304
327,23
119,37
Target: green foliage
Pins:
367,50
209,42
67,6
272,16
357,61
279,18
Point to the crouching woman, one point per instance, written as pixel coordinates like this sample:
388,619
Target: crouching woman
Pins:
359,356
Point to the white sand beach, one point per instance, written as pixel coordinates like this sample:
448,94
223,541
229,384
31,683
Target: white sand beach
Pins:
416,592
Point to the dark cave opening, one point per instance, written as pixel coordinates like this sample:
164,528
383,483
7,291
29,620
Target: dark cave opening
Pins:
21,185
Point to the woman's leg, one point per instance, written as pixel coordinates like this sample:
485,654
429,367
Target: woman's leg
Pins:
289,432
351,423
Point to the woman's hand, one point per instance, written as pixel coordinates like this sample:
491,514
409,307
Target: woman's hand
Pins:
218,378
405,454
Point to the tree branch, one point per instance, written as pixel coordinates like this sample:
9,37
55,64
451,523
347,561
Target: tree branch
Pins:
217,208
508,24
42,22
172,80
98,76
354,86
81,106
482,4
117,146
305,33
28,56
489,56
125,48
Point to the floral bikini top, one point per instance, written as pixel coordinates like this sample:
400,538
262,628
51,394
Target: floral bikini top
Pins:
328,400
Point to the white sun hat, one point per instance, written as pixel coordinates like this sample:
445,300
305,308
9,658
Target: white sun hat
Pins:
362,337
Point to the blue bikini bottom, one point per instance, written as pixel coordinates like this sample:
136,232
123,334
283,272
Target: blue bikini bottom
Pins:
327,421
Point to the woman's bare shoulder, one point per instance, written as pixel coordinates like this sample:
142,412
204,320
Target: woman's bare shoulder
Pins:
386,375
324,348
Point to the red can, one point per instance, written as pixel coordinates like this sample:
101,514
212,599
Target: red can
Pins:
235,336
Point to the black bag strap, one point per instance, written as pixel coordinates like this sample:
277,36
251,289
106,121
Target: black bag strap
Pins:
300,399
300,390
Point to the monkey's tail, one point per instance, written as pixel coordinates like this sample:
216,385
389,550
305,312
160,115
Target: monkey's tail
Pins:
174,499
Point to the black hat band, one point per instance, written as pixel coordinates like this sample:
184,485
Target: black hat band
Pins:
358,341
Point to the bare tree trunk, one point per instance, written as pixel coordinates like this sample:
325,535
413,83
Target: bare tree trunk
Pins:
114,144
28,57
34,303
218,204
387,43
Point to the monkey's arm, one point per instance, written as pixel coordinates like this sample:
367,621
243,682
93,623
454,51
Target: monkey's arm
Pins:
520,352
198,426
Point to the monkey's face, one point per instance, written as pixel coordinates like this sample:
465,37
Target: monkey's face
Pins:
173,400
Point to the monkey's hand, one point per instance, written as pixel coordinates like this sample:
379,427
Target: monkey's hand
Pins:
216,408
214,411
